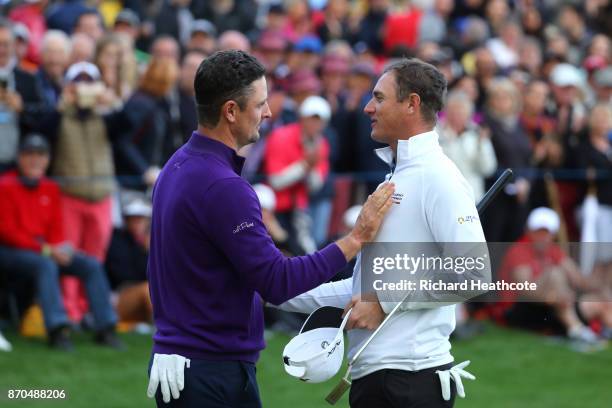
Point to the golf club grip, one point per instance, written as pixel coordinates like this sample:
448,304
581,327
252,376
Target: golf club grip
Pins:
499,184
484,203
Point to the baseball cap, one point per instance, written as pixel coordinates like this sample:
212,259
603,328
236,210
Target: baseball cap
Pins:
21,32
34,142
315,106
203,26
603,77
308,43
363,68
566,75
316,353
82,68
334,64
266,196
543,218
137,208
127,16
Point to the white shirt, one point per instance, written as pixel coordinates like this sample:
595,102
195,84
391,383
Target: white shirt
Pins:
433,200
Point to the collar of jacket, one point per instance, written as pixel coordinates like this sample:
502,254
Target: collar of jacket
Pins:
409,150
204,144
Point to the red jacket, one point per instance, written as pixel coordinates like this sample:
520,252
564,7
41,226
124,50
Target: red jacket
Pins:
284,148
29,217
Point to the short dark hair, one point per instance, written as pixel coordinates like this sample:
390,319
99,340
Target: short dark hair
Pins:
415,76
225,75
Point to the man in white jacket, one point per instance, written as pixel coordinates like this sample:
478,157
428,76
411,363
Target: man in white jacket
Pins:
433,203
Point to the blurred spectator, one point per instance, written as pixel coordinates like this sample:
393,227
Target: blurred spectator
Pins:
83,162
189,67
22,40
334,70
305,54
202,37
485,71
302,84
126,263
31,15
435,20
530,56
564,302
532,22
335,25
174,19
297,164
21,106
512,150
234,40
505,48
602,84
468,146
401,29
64,15
298,22
55,52
596,153
229,14
370,29
146,141
166,47
82,49
33,247
570,112
128,23
497,13
270,49
108,59
90,23
573,25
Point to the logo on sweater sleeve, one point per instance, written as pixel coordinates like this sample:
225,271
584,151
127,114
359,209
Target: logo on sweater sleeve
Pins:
242,226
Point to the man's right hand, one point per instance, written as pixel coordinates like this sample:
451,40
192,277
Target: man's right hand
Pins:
62,254
368,222
167,371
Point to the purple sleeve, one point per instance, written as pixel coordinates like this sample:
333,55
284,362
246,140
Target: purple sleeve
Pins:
232,220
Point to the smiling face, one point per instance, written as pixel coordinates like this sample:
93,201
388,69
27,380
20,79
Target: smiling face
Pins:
388,116
248,120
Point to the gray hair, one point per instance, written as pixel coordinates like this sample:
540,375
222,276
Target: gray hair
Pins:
462,98
56,35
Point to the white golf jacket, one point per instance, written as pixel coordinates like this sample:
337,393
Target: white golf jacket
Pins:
432,203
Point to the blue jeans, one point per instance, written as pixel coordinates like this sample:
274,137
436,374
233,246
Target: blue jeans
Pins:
216,384
320,211
45,274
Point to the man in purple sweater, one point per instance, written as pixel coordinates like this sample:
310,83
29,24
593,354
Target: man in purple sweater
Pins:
212,263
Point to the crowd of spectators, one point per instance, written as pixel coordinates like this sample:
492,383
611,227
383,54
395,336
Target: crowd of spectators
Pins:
108,85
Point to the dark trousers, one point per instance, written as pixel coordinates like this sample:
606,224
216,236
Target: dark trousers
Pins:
400,389
216,384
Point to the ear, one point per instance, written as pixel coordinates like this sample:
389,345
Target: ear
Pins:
414,103
229,111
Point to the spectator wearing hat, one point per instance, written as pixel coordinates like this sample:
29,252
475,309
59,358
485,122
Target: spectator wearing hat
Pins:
564,302
33,246
31,15
126,263
64,15
566,82
128,23
203,37
270,49
83,163
305,53
296,163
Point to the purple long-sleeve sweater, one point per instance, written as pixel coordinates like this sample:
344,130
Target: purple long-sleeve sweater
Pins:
212,260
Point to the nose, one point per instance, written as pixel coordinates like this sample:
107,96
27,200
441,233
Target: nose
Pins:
369,108
267,113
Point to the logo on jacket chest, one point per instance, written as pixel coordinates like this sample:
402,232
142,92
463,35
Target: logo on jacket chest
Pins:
397,198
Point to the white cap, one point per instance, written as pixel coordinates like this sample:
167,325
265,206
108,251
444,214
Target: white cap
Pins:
315,106
566,75
543,218
137,208
266,196
316,355
82,67
350,216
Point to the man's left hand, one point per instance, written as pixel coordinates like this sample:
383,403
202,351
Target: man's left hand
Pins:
365,315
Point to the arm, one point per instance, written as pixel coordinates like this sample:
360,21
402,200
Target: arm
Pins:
336,294
487,162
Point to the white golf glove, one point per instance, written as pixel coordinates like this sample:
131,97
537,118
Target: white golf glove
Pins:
167,371
455,373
